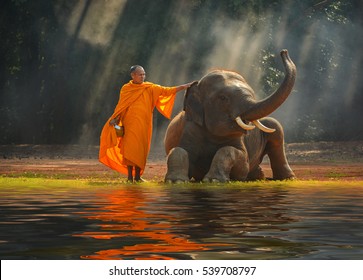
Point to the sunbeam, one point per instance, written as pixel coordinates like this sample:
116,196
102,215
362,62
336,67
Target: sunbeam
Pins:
67,72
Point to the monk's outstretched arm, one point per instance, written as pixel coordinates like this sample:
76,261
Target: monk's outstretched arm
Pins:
182,87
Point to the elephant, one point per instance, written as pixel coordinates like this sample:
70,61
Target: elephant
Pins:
213,138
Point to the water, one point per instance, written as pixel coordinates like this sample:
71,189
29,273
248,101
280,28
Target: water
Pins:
242,221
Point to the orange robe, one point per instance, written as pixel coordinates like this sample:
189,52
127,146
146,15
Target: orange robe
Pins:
135,109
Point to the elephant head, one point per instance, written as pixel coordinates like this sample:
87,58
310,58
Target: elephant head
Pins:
225,104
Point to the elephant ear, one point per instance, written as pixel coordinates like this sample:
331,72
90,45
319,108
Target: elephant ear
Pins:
193,105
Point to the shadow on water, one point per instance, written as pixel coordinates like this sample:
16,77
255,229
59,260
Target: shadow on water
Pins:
236,221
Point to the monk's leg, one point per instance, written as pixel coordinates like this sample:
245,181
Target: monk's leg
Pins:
129,173
137,174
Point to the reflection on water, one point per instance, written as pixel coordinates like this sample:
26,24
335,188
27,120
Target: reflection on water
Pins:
182,222
142,231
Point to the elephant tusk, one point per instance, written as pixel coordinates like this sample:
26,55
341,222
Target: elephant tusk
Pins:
243,125
263,127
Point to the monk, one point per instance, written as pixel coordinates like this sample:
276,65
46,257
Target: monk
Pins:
126,136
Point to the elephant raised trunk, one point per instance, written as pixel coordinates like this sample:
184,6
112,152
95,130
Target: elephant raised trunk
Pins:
264,107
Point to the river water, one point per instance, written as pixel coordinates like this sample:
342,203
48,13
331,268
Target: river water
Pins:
195,221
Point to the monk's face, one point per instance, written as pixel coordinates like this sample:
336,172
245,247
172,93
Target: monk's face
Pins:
138,76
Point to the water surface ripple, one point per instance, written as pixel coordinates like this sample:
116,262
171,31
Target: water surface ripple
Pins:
181,222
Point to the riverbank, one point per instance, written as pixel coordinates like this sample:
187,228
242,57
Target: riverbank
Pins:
310,161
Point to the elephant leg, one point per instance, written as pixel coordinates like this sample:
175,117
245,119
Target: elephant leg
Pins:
228,164
256,174
276,152
177,166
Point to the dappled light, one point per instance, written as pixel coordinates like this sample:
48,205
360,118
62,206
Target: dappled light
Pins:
93,21
68,71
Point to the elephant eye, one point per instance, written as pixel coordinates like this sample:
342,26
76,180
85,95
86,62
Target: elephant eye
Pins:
222,98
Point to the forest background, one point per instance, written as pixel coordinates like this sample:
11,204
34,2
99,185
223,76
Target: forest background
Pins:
63,62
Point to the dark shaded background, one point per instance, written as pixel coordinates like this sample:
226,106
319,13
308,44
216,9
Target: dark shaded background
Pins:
62,62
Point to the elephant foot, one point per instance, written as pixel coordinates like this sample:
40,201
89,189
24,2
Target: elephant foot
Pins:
215,179
284,173
291,177
256,175
177,181
176,178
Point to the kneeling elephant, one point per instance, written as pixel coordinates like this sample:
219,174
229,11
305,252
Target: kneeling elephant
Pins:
214,138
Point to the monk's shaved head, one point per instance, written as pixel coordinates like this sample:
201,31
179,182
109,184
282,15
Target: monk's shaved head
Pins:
134,68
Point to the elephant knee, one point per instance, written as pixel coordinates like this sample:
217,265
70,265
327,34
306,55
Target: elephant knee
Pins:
228,163
177,155
177,165
233,155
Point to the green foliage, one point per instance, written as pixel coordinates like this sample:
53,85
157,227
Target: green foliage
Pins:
58,85
273,75
336,12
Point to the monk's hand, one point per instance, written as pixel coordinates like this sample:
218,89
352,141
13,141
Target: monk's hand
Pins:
113,122
187,85
182,87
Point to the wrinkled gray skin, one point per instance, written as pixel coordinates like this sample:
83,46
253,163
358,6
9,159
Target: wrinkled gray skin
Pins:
204,142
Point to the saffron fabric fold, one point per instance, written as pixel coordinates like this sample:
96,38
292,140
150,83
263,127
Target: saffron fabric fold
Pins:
134,110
